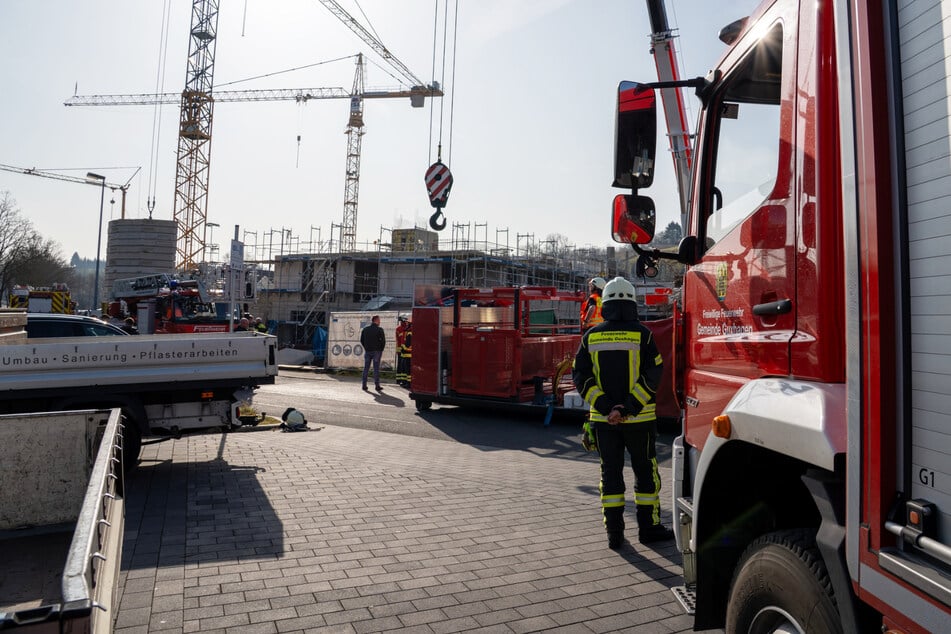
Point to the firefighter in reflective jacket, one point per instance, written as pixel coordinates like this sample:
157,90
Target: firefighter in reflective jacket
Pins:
404,350
591,308
617,370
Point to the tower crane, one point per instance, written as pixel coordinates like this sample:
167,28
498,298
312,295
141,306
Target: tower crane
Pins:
32,171
193,166
348,229
197,105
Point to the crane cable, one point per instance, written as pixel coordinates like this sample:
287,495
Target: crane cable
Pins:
438,176
442,77
156,112
452,80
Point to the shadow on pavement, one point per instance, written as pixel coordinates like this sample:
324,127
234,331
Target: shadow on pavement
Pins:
491,430
197,512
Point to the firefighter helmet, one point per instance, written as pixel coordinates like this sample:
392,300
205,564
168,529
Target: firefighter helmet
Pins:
598,283
618,289
293,420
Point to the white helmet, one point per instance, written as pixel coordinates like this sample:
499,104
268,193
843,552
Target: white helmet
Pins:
598,283
618,289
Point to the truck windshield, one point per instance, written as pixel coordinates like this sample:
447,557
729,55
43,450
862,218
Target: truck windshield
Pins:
747,141
191,308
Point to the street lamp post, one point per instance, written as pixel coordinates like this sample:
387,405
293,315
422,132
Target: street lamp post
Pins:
102,199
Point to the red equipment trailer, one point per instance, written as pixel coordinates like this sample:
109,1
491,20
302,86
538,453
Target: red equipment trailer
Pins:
496,347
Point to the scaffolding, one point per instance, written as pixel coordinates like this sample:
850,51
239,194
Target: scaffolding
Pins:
299,280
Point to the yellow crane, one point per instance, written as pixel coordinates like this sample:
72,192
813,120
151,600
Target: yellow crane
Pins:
195,126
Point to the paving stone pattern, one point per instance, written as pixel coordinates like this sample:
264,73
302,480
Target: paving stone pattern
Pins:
348,530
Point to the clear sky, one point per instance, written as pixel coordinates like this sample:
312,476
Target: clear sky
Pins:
532,112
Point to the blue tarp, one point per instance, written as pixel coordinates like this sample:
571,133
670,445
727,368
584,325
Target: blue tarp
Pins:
320,342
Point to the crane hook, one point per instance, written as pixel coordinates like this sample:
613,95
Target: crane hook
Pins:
434,221
438,184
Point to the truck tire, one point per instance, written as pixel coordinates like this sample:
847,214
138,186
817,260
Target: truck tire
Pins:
781,585
423,405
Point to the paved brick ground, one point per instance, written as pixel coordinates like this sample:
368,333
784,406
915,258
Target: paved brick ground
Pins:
347,530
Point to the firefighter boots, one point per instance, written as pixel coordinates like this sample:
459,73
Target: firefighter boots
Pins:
655,533
615,539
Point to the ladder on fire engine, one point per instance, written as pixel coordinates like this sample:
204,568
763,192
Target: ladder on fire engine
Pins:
675,110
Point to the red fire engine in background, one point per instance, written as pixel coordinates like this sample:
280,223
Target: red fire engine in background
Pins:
812,480
165,304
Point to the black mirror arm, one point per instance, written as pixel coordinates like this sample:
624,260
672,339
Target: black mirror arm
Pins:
655,254
702,85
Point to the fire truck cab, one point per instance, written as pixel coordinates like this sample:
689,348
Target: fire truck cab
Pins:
813,337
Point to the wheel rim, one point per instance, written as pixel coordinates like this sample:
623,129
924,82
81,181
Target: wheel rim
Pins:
774,620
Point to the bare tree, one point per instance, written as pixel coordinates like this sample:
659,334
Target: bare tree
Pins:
25,256
557,245
14,230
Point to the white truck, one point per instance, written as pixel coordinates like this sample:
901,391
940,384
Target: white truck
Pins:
61,520
164,385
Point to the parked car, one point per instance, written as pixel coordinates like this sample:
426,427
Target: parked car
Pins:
54,325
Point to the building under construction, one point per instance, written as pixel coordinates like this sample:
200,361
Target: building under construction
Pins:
300,284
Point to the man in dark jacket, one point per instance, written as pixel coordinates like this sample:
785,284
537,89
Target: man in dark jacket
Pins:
617,370
373,340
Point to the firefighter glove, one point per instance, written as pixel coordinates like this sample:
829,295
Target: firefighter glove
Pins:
588,440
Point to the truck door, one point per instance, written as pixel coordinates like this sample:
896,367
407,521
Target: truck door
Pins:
740,295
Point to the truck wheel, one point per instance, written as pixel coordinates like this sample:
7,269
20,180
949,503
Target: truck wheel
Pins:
423,406
781,585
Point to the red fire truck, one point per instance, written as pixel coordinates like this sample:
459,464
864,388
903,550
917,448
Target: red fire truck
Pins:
496,347
166,304
812,480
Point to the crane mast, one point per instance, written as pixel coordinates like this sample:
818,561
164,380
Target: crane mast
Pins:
351,188
190,209
675,112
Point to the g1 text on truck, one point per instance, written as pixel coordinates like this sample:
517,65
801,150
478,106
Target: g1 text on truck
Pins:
812,479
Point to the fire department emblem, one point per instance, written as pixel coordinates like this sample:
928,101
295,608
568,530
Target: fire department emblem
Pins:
722,273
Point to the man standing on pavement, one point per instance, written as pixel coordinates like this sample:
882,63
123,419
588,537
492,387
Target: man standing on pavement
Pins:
617,370
373,340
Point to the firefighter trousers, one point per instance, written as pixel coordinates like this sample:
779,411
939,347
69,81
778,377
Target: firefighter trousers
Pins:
639,440
403,367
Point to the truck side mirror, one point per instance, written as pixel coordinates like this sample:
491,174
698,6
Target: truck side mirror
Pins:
635,136
633,219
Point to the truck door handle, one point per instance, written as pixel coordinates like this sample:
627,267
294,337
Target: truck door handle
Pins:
770,309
